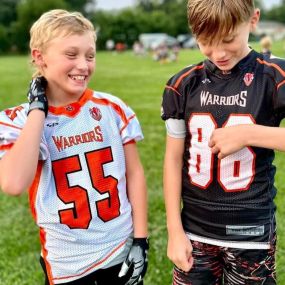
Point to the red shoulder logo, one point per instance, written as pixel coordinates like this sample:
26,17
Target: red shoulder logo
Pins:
248,78
95,113
12,113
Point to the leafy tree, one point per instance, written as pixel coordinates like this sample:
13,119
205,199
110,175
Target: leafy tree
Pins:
8,12
4,39
79,5
29,11
276,14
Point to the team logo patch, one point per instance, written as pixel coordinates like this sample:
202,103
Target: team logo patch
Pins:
95,113
206,81
69,108
248,78
51,125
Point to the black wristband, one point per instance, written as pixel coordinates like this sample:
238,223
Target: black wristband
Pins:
143,242
39,106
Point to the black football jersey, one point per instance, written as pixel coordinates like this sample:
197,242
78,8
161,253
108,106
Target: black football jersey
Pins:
230,201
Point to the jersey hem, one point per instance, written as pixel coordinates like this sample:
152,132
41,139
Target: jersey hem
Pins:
231,244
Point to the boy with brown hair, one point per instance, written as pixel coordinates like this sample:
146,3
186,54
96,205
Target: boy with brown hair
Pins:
75,149
222,118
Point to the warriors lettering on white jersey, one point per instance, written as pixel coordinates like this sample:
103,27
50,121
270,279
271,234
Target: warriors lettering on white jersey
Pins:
78,197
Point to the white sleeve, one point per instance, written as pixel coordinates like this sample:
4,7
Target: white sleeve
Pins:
125,117
12,122
175,128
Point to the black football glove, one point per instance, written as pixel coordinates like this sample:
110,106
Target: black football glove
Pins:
36,95
137,258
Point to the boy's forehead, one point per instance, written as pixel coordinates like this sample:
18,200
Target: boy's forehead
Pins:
64,40
220,34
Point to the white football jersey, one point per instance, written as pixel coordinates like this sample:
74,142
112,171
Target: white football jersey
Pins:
78,197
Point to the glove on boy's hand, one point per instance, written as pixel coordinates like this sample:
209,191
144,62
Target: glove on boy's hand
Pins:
36,95
137,258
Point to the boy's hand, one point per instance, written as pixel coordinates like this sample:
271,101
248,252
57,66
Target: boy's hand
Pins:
179,251
36,95
138,257
228,140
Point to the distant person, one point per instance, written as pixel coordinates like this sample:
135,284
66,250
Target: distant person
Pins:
138,48
223,119
110,45
120,47
174,53
266,45
75,149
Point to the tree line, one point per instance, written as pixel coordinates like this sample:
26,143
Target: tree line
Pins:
147,16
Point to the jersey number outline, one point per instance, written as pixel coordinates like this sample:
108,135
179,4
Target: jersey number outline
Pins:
79,216
234,172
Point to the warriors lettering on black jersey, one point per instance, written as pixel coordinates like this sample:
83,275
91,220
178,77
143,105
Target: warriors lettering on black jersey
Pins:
230,201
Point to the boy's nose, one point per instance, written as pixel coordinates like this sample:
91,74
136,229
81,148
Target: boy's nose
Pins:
82,63
219,54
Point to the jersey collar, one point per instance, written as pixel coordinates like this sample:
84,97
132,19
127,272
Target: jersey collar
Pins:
72,109
244,63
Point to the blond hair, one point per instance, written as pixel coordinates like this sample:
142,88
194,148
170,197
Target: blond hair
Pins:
57,23
266,43
214,19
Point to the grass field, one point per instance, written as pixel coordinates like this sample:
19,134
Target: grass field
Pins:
139,82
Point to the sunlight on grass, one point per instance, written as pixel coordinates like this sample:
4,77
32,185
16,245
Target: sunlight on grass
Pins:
139,82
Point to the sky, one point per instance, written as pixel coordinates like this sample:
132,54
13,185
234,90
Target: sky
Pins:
268,3
113,4
117,4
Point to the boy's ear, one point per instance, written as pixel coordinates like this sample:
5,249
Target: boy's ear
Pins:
254,19
37,57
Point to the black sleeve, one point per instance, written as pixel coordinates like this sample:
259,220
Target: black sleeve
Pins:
172,102
278,68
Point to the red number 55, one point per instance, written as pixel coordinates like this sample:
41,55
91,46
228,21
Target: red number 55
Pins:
79,216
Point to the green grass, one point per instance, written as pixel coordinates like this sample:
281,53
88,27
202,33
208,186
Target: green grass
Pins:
139,82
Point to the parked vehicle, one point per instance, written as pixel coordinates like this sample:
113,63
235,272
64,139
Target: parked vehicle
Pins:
153,40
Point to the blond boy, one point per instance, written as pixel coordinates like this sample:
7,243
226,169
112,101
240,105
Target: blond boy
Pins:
75,149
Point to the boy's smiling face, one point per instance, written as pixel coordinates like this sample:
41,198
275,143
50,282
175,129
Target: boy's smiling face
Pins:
227,51
68,63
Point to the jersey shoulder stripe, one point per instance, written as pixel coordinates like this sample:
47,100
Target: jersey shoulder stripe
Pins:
186,73
275,67
114,106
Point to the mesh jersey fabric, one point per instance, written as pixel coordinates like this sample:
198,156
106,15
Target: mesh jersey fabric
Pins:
228,202
78,197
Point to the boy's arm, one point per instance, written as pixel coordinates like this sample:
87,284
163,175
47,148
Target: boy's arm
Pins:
137,194
18,165
225,141
136,189
179,248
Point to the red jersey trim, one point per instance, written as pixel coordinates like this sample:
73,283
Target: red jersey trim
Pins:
197,67
130,142
8,125
72,109
171,88
117,108
45,253
126,123
94,265
5,147
34,189
276,66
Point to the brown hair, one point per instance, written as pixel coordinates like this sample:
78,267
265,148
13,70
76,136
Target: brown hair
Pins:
213,19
